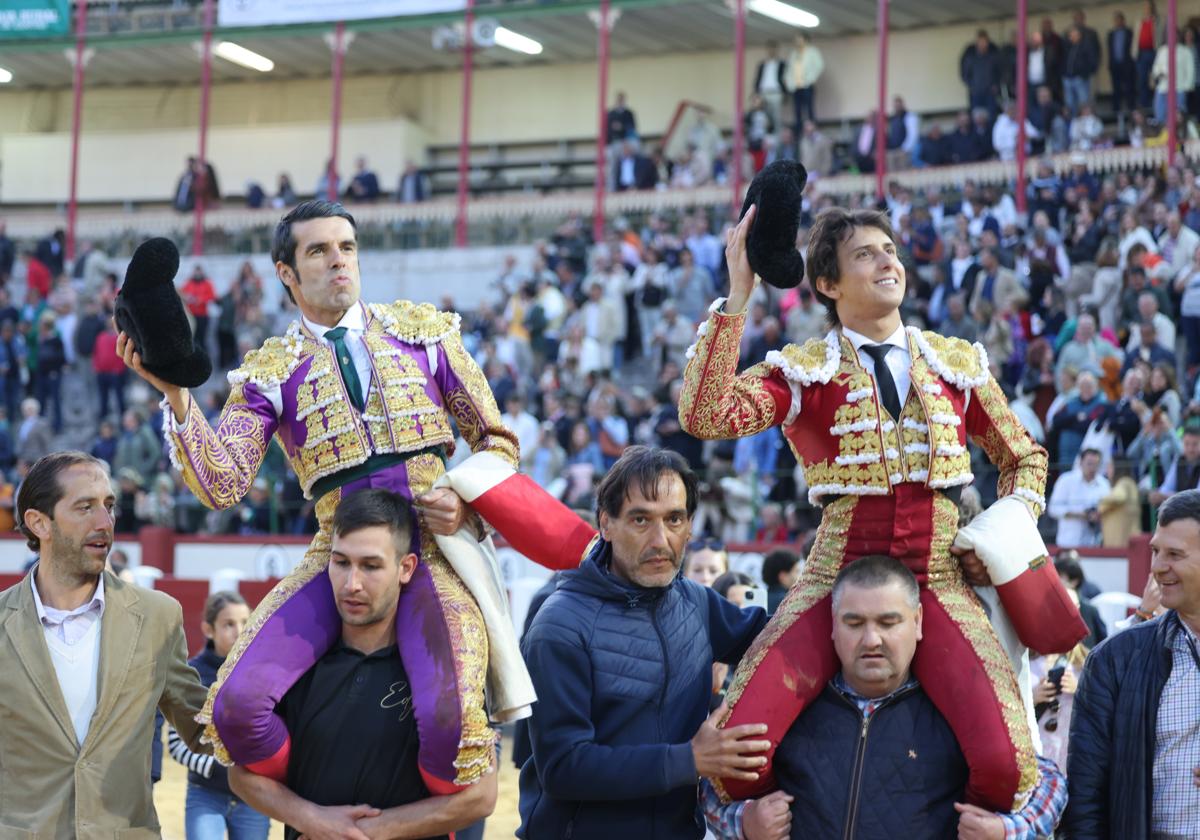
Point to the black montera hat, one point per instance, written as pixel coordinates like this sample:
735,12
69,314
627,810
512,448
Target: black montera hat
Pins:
771,247
150,311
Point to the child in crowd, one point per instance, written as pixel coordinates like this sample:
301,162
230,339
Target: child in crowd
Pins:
212,808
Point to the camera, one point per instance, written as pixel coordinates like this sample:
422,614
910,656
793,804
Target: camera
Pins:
1055,677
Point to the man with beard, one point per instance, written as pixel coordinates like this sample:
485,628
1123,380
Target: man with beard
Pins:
354,740
87,659
621,656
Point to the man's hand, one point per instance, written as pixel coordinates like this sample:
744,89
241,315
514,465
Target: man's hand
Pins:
974,823
741,276
177,397
1044,692
1151,597
769,818
974,572
442,511
1069,681
721,753
334,823
133,361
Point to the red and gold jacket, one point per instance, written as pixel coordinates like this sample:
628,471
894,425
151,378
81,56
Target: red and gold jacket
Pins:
829,410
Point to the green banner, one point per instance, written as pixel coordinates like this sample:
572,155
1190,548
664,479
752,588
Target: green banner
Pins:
34,18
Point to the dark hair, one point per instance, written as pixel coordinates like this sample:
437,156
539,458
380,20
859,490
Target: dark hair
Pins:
877,570
283,249
1069,567
219,601
42,491
727,581
1083,453
833,226
1182,505
374,507
643,465
776,563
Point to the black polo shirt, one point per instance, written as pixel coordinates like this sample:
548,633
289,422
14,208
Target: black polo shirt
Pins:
354,737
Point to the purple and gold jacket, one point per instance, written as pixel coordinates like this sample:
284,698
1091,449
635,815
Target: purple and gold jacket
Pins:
291,389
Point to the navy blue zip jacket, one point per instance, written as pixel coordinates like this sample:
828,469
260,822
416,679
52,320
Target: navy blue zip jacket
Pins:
623,676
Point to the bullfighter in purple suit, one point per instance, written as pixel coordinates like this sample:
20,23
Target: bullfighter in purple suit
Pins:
357,395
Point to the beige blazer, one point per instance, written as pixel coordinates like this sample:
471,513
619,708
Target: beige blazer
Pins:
53,788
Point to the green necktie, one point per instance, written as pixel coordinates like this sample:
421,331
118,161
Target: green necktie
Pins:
346,366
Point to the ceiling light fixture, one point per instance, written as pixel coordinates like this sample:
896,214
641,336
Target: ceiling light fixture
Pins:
5,76
784,13
246,58
517,42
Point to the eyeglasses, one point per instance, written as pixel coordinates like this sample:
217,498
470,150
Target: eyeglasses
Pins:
711,543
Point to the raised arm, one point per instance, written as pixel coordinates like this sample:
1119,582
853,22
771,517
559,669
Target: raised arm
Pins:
218,465
716,402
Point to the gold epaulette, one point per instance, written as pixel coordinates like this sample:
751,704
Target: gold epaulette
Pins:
270,365
416,323
814,361
956,360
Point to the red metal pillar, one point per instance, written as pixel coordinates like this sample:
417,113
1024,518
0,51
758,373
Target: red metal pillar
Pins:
739,111
200,181
76,123
881,23
1022,99
1172,82
335,117
464,141
604,31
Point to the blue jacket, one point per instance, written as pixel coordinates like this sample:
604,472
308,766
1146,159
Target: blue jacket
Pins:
1110,766
878,778
623,676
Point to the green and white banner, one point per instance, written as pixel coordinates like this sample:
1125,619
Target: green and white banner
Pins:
34,18
273,12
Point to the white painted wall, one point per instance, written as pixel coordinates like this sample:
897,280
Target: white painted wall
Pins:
137,137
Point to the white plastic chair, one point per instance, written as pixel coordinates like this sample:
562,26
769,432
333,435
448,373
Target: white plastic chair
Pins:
1114,606
144,576
225,580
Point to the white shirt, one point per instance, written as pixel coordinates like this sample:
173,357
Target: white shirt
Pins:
69,626
73,642
1074,494
899,361
355,322
1037,67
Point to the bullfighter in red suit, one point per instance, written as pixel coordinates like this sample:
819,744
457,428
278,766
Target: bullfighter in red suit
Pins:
879,416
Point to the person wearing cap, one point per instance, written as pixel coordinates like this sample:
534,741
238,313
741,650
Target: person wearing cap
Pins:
880,416
359,396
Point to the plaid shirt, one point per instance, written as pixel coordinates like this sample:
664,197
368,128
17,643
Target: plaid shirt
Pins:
1037,819
1176,809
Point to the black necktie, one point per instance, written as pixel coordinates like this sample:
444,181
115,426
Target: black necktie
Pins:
883,376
